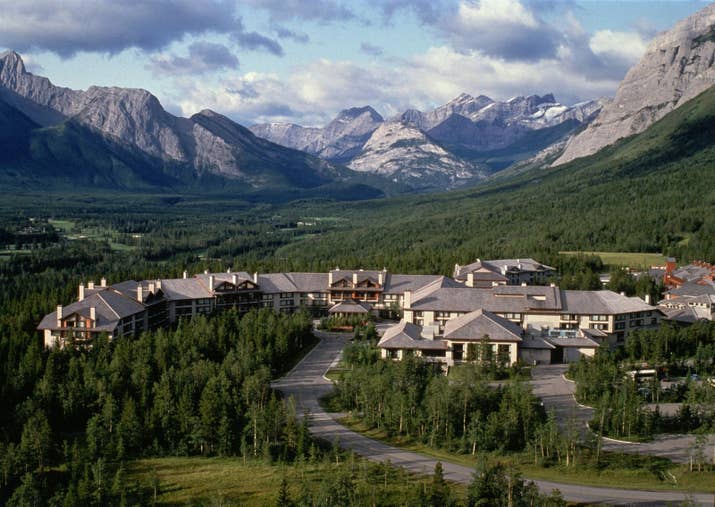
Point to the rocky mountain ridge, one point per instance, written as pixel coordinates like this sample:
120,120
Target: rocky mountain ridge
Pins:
465,124
677,66
207,144
405,154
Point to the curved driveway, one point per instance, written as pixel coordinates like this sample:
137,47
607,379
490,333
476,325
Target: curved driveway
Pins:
557,394
307,384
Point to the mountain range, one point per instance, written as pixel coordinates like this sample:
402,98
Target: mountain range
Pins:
124,139
118,138
454,145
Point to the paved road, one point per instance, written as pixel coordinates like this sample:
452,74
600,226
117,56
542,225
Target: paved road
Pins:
557,394
306,384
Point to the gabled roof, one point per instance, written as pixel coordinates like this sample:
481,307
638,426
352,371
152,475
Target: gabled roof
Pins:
408,336
480,323
351,306
110,306
219,278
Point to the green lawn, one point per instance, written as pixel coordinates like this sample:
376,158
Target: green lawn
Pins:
630,259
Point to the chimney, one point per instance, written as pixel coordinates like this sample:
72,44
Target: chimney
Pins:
93,313
407,300
330,278
59,315
212,282
228,271
380,278
234,279
158,285
255,277
354,279
623,294
552,284
103,282
90,285
80,292
470,279
140,293
185,275
523,284
206,271
647,299
152,287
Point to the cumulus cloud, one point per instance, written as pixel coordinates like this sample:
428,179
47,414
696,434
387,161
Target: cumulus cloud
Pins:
320,89
202,57
108,26
505,29
627,47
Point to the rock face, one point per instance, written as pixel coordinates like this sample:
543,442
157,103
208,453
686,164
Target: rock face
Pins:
339,141
466,123
677,66
206,143
405,154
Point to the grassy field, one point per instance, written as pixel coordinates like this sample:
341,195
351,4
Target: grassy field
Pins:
233,481
630,259
616,470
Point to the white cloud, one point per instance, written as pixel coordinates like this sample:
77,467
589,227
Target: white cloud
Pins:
478,15
314,93
628,46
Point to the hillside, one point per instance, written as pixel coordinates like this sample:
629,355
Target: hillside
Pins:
651,192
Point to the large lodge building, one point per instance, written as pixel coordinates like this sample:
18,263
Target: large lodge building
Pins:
444,319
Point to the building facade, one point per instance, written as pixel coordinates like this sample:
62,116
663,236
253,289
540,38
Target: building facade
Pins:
442,319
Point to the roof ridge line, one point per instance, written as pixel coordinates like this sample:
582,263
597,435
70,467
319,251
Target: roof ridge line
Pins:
108,305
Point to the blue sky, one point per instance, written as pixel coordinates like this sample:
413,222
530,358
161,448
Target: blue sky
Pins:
303,61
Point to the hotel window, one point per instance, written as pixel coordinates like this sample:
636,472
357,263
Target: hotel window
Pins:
602,327
599,317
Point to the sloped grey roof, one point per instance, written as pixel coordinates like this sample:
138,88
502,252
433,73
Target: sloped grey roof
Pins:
518,299
309,282
398,284
503,265
535,342
273,283
120,304
693,289
177,289
692,272
475,325
580,342
685,315
350,307
110,307
406,335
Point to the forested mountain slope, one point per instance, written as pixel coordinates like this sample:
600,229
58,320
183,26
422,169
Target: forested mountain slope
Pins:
651,192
